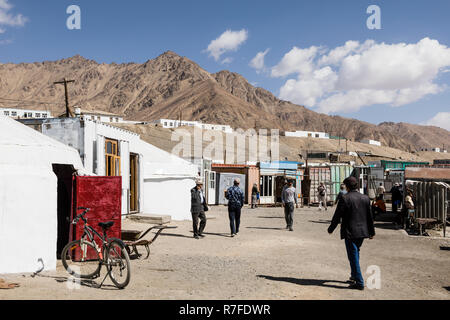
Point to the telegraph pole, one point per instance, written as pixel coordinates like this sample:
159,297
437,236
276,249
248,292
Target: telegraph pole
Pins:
65,82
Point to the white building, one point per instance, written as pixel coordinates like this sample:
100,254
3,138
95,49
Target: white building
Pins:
28,193
25,114
307,134
97,115
372,142
171,124
153,181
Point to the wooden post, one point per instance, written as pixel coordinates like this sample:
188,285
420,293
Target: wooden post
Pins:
65,82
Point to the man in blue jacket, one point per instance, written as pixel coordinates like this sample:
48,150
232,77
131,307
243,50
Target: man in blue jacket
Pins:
235,197
354,213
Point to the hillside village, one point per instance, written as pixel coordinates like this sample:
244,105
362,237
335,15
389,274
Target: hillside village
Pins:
127,163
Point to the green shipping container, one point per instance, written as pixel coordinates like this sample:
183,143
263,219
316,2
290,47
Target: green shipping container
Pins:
387,164
338,174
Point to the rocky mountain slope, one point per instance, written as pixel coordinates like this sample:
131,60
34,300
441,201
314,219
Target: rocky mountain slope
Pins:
170,85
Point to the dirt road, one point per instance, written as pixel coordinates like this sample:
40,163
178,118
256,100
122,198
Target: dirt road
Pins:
264,261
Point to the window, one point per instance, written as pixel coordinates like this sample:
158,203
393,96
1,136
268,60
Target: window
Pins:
266,189
165,124
99,118
44,115
112,158
6,113
14,113
92,118
111,119
37,115
309,135
117,119
317,135
30,115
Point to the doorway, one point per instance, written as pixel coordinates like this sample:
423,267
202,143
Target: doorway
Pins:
64,174
134,183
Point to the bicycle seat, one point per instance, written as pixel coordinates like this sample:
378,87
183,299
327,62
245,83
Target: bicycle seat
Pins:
106,225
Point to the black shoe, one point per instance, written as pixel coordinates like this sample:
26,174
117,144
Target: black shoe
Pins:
356,286
201,235
196,237
351,280
291,229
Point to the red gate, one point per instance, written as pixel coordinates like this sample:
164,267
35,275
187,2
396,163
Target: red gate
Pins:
103,195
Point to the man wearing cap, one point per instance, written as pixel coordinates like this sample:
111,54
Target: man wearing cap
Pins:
235,197
198,205
353,212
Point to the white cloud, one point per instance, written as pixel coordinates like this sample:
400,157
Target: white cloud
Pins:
227,60
296,61
356,75
8,19
441,119
257,62
228,41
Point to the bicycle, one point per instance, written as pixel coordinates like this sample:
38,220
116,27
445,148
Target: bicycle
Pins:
84,258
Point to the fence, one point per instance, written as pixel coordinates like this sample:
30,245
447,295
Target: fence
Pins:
431,200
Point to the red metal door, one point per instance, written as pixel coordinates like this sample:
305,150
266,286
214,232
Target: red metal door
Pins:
103,195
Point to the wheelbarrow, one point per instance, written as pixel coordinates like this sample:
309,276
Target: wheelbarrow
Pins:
134,238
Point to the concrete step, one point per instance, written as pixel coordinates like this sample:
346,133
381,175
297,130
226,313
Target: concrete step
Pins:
151,218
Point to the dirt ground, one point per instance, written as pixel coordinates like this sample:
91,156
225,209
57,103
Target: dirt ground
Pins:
265,261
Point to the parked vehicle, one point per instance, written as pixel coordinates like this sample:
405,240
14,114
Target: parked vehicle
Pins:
84,258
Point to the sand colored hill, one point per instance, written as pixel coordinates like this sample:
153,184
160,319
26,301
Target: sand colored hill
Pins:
170,85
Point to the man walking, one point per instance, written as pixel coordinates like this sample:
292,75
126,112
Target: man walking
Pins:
322,191
353,212
198,206
288,197
235,198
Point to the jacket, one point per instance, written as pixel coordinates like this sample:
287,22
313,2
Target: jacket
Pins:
354,213
235,197
197,205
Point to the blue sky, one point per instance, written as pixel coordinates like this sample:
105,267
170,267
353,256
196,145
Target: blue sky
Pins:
136,30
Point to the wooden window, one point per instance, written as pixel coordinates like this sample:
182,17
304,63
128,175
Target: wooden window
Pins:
112,157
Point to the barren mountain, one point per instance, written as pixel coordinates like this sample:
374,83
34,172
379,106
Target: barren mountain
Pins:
170,85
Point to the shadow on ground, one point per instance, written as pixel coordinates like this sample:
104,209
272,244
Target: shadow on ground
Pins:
320,221
83,282
308,282
266,228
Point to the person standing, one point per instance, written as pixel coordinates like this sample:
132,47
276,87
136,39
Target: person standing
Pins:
322,191
288,197
235,198
198,208
396,197
353,212
255,193
380,191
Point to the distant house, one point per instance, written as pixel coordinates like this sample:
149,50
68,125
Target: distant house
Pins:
307,134
16,113
172,124
372,142
98,115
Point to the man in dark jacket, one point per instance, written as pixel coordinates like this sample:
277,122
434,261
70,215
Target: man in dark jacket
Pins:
235,198
353,212
198,205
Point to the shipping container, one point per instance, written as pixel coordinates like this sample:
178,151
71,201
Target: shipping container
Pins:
225,181
338,174
318,175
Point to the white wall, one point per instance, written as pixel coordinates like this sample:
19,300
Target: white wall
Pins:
304,134
28,218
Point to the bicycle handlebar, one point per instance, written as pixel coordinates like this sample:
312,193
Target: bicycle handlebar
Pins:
81,216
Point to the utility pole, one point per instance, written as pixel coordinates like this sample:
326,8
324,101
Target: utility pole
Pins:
65,82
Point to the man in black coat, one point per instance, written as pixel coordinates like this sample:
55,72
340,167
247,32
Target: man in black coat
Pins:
198,206
354,213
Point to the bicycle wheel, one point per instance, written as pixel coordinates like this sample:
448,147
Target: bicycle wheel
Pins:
118,263
81,259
